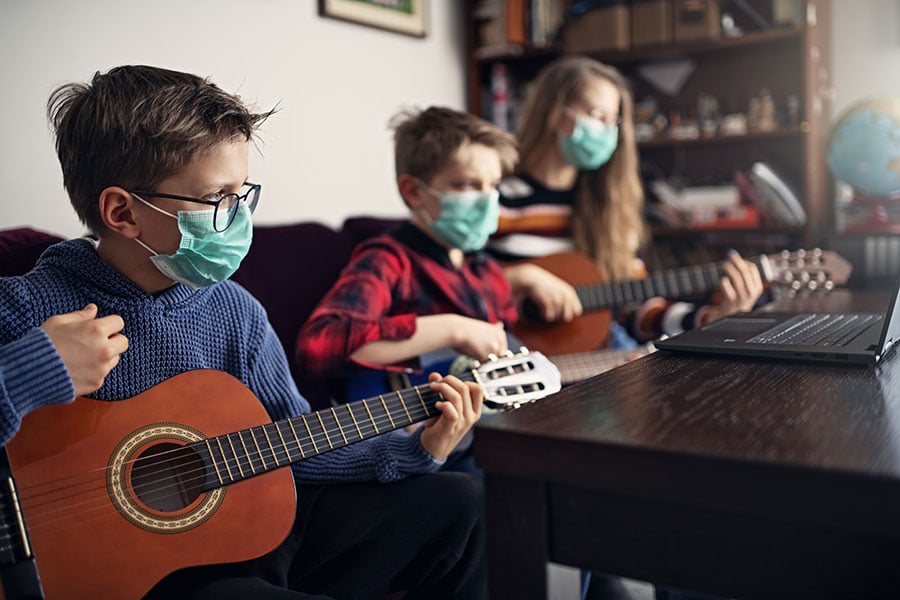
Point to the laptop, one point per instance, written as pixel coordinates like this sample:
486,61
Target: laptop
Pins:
848,338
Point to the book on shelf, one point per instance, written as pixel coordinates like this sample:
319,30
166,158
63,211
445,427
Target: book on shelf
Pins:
506,24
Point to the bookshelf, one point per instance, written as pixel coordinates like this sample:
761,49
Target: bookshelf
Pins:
789,60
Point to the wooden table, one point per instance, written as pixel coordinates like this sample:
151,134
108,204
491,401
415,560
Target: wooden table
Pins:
741,478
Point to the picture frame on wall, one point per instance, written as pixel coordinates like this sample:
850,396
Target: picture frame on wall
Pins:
401,16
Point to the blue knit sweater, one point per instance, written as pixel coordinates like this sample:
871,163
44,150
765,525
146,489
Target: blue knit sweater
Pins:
221,327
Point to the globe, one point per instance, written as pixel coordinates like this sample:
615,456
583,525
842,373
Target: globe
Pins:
864,147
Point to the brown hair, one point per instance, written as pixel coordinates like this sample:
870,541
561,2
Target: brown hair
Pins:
135,126
425,141
607,218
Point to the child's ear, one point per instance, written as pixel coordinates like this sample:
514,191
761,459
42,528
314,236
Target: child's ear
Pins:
410,190
115,206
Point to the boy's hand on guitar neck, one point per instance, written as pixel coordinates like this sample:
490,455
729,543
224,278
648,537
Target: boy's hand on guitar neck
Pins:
738,291
556,298
460,409
89,347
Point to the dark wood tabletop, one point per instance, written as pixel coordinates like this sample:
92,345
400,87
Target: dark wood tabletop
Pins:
744,478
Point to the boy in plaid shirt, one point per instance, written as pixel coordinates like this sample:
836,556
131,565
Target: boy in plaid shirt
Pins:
427,285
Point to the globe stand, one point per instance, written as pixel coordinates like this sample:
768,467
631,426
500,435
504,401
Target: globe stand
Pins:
866,214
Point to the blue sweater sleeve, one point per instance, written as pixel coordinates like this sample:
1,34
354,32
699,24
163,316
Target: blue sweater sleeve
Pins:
32,375
388,457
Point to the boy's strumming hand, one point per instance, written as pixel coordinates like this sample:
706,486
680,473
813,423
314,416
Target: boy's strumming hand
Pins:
477,338
89,347
460,409
555,297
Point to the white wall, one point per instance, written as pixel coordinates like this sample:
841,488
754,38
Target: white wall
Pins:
865,50
326,155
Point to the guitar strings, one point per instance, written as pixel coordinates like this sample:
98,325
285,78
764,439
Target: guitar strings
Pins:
81,507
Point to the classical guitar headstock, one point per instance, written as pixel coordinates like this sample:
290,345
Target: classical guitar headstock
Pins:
813,270
516,378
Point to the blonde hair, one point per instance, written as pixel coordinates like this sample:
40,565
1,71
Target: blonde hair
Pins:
607,217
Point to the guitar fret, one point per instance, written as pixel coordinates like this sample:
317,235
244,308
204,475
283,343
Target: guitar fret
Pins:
340,429
212,459
309,431
262,459
353,418
224,458
403,404
287,449
324,430
247,454
387,412
296,438
422,400
365,403
673,283
237,460
271,447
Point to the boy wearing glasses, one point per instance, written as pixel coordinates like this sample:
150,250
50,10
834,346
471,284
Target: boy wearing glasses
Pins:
155,164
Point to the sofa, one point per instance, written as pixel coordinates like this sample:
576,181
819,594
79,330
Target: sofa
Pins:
289,268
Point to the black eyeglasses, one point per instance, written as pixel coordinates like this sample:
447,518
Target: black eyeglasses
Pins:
224,206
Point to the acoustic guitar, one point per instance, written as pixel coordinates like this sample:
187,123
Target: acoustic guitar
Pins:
117,495
813,270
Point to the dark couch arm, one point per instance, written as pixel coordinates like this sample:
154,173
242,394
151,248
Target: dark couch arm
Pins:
20,248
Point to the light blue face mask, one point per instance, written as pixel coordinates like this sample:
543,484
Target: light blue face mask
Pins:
205,256
591,144
467,219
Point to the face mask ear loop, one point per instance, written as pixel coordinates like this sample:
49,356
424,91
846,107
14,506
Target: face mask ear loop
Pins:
421,210
146,247
425,216
156,208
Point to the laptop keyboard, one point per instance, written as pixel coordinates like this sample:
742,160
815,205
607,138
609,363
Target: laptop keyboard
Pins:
817,330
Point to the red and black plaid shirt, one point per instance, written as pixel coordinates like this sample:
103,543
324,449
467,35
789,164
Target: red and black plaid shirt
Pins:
391,280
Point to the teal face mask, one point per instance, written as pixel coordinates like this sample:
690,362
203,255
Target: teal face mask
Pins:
591,144
467,219
205,256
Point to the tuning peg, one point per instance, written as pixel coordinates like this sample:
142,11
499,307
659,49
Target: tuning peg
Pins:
492,357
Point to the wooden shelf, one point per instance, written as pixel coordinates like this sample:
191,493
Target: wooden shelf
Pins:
679,49
515,52
518,52
668,142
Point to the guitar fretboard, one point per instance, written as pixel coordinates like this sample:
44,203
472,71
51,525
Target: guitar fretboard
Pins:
241,454
684,282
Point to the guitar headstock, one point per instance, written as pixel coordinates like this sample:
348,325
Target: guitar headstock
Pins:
813,270
516,378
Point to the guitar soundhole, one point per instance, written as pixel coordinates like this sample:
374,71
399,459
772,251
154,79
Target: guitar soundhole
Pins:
167,477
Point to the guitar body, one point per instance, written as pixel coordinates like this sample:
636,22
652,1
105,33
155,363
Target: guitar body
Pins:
588,332
100,531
